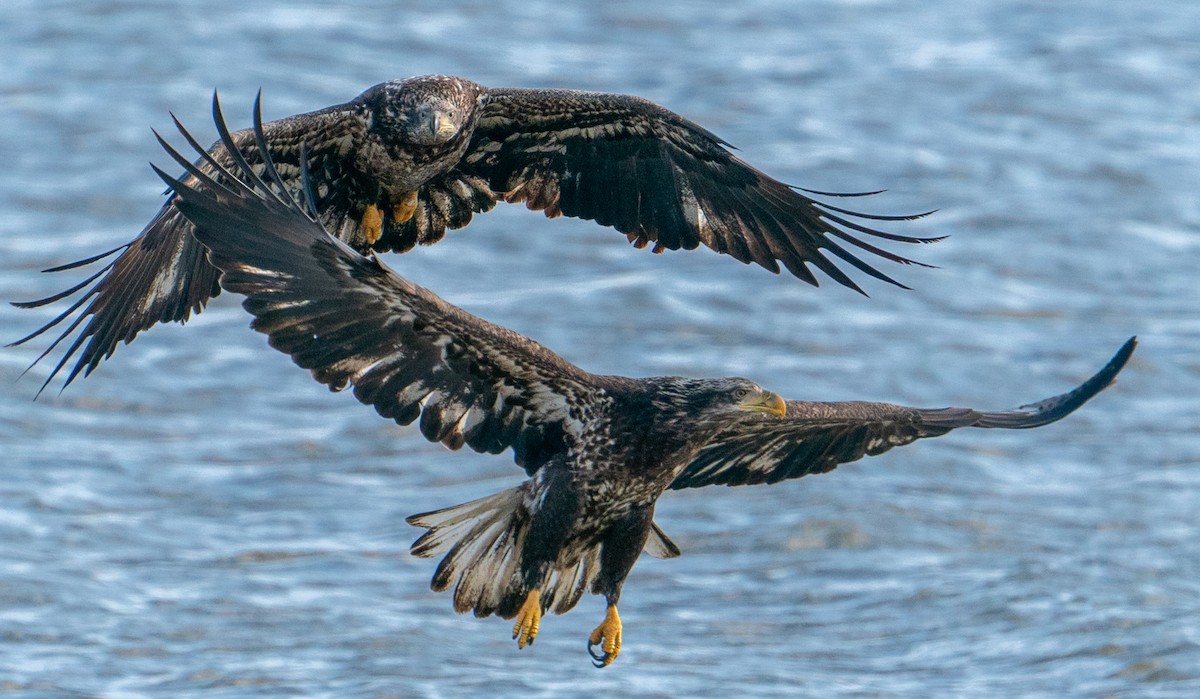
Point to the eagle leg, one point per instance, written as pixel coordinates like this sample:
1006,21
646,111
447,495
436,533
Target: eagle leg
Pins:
608,637
372,224
404,210
528,619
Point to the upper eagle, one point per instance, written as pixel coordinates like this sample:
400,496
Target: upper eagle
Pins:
598,450
407,159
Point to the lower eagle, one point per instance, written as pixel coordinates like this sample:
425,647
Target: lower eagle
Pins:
598,450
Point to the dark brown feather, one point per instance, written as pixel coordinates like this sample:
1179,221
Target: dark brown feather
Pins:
625,162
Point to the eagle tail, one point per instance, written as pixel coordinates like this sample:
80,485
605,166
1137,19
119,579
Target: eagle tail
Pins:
482,541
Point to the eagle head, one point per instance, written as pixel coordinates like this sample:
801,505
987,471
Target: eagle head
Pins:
718,400
428,110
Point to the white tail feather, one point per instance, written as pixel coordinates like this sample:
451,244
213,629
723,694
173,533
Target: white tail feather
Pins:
482,541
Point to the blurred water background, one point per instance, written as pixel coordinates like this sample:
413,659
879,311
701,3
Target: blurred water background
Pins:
200,518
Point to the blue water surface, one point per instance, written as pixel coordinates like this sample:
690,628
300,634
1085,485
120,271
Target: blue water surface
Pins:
200,518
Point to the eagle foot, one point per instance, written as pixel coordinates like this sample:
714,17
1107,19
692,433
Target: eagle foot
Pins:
372,224
404,210
528,619
608,637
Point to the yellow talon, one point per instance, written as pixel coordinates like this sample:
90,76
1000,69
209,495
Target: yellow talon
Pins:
528,618
608,636
403,211
372,224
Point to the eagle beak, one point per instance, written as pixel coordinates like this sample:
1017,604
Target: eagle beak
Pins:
765,402
441,125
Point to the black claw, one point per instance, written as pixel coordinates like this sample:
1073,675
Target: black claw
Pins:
598,659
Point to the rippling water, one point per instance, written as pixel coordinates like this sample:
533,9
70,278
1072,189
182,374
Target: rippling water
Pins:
200,518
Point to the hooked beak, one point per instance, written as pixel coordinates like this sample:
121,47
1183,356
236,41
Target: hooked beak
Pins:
441,125
765,402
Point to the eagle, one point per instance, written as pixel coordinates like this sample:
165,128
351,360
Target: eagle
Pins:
408,159
598,451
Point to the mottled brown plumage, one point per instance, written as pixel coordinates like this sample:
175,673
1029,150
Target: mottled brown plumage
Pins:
407,160
598,450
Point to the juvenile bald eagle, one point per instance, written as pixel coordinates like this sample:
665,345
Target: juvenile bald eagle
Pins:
598,450
407,159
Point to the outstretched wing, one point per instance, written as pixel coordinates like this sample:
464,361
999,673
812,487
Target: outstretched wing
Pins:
628,163
352,321
817,437
162,275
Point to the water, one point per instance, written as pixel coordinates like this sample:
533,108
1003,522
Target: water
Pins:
200,518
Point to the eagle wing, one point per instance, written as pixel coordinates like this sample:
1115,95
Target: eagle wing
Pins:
628,163
353,322
817,437
162,275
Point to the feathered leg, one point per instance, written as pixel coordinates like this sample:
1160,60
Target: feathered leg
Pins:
548,534
622,544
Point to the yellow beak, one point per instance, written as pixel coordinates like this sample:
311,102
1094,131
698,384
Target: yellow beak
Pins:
765,402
